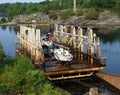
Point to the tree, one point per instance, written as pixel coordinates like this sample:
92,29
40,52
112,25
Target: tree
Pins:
3,20
102,3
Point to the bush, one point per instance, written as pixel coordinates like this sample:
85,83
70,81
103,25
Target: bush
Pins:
53,15
92,14
66,14
21,78
79,12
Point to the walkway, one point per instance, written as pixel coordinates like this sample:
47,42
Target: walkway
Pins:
112,79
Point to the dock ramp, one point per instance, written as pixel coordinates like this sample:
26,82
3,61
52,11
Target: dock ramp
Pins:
112,81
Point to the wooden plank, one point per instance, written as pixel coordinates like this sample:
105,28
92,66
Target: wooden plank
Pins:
112,79
71,71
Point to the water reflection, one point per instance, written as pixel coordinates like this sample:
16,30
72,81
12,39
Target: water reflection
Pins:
108,35
3,27
110,47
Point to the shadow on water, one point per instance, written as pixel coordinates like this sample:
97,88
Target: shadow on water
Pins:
14,28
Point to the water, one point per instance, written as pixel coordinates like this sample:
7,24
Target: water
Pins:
8,39
110,45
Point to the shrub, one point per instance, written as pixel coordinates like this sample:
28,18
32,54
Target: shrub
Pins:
79,12
53,15
91,14
66,14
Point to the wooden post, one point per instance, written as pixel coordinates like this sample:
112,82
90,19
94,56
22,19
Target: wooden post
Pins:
38,39
61,34
32,42
37,47
90,49
65,35
24,37
33,35
56,33
74,40
29,39
80,41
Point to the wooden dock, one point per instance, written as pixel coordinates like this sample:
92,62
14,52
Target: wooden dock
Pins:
30,44
83,46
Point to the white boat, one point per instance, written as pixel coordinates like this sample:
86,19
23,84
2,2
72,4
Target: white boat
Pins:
46,40
63,55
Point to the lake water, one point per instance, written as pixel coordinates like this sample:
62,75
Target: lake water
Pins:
110,45
8,39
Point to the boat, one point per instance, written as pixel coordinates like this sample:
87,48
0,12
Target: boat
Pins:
46,40
62,54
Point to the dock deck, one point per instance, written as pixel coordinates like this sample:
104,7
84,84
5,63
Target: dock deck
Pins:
56,70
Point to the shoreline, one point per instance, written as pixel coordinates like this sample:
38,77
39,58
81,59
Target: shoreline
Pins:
91,25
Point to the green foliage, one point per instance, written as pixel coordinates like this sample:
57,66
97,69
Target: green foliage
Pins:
67,4
53,15
22,65
66,14
4,8
21,78
13,78
91,14
3,20
45,9
79,12
99,3
4,61
48,90
117,7
46,6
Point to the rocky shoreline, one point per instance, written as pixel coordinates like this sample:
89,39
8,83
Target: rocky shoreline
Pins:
104,20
